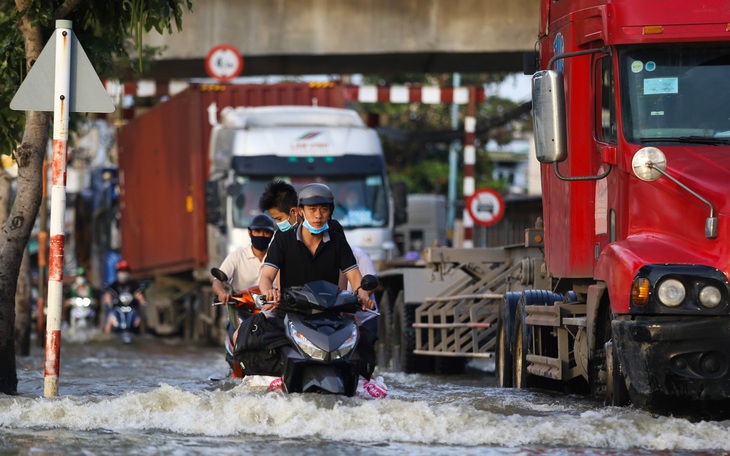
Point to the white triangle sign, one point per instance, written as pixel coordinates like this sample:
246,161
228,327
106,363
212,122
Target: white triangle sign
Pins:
87,92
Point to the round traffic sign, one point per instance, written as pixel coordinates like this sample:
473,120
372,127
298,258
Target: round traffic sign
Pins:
485,206
224,62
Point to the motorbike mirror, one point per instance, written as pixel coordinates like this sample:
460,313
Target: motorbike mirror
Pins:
369,282
220,275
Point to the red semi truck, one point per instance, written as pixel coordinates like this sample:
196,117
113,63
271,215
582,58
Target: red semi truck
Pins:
632,127
622,289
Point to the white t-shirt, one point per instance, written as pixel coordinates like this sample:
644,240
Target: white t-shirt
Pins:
243,266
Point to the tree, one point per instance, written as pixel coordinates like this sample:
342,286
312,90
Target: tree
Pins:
416,136
107,30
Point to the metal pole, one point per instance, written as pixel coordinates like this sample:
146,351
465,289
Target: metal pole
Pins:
470,123
42,259
453,160
62,88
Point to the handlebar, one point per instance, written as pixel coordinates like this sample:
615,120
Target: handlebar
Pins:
287,304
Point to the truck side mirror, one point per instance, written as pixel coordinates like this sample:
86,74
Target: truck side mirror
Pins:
400,199
213,210
548,105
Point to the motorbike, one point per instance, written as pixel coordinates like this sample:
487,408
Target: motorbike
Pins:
320,324
82,313
241,303
124,311
321,335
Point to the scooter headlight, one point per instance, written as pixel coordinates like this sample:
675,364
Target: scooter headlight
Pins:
347,345
305,344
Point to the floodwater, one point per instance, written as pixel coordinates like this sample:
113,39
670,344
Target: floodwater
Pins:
156,396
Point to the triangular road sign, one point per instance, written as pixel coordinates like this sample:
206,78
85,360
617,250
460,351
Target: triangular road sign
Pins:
87,92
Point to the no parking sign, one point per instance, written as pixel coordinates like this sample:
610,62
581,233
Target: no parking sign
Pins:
223,63
485,206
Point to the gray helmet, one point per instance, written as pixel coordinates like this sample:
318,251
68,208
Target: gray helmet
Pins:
262,222
312,194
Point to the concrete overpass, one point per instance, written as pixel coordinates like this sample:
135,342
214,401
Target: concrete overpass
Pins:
293,37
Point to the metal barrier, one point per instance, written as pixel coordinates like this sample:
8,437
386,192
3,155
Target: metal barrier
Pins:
462,320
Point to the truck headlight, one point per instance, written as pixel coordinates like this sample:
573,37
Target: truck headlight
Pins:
305,344
671,292
710,296
347,345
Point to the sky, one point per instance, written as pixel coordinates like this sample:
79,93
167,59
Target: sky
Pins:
515,87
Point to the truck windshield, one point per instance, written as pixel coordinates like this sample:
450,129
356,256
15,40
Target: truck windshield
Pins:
675,94
360,201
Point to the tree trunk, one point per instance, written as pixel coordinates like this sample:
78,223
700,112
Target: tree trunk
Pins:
14,237
5,188
14,234
22,294
23,308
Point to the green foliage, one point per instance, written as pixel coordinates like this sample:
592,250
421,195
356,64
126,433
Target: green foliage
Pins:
107,30
12,70
423,165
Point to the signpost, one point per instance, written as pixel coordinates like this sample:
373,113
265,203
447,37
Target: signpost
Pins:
224,62
63,81
485,206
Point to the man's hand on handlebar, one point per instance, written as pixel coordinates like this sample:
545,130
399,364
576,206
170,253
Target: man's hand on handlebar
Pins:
273,298
364,298
224,297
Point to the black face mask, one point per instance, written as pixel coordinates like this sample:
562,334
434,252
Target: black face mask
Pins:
260,242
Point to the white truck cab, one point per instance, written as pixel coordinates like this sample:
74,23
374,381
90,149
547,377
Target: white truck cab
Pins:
250,147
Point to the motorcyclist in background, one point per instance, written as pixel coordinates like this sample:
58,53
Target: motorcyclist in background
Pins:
80,288
123,283
279,200
243,267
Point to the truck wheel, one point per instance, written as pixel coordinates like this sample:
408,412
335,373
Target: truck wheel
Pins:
606,378
385,332
519,371
616,392
404,337
504,346
524,335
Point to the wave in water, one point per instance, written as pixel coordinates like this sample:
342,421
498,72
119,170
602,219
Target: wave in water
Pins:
494,420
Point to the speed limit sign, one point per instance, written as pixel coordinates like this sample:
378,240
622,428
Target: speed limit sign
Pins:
224,62
485,206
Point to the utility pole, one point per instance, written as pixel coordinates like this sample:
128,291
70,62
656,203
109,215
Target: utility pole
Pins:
453,161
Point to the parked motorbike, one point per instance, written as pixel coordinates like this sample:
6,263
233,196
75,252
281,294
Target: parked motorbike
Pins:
241,303
324,335
124,313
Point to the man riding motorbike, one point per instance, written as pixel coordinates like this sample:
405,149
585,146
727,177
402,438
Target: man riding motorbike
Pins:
80,288
312,252
124,283
243,267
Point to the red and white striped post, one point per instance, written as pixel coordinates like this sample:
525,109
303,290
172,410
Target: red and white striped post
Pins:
62,88
470,123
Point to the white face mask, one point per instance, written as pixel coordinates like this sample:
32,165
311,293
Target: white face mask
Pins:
122,276
313,230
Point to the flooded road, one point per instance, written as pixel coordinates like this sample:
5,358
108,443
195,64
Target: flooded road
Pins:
156,396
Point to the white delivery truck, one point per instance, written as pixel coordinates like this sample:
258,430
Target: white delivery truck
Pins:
251,146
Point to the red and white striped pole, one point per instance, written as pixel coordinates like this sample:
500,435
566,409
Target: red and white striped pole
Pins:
62,88
470,123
